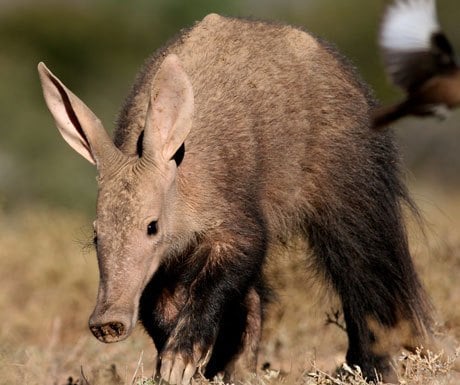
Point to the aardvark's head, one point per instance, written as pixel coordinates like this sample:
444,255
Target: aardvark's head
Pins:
136,197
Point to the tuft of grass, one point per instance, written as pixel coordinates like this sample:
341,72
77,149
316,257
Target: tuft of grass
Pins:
414,368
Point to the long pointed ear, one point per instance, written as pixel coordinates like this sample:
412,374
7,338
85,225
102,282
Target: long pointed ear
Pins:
81,129
170,112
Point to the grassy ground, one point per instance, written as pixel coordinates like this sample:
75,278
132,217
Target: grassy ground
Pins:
49,281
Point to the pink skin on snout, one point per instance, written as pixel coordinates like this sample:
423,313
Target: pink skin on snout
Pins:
126,264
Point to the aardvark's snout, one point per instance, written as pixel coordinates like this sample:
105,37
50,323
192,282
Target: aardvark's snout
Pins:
110,326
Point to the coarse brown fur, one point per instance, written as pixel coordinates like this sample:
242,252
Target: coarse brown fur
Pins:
280,145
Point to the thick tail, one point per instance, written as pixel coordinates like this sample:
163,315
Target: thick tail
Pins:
381,117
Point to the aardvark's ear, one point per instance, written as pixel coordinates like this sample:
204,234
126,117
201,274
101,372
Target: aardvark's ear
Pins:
170,112
75,121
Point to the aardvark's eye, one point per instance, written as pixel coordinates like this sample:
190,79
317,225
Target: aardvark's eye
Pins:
152,228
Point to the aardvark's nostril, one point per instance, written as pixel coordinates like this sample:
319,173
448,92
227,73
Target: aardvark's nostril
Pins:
109,332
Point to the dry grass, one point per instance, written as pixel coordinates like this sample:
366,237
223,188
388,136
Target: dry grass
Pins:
49,286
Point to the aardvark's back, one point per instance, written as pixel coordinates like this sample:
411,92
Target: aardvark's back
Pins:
272,104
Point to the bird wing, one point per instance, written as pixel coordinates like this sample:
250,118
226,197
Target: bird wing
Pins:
413,46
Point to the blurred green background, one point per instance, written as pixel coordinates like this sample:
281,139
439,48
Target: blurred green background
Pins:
97,46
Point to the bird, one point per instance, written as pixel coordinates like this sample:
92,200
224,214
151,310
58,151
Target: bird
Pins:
419,58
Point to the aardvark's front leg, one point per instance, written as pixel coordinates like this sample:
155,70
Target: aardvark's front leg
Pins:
227,274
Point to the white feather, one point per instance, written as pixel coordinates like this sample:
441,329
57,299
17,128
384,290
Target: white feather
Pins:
408,25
